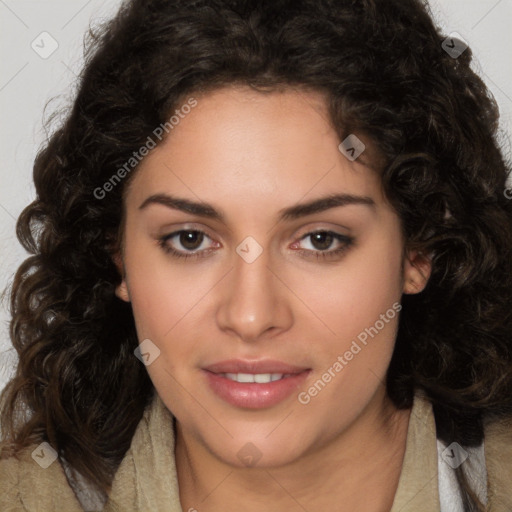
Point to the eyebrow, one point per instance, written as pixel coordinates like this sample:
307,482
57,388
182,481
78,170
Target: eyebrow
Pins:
203,209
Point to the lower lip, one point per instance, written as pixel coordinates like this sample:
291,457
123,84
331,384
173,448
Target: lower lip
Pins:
254,395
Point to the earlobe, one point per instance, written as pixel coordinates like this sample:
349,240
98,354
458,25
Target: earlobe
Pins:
122,291
122,287
417,270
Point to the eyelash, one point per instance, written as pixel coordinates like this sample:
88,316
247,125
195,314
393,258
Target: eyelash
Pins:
347,242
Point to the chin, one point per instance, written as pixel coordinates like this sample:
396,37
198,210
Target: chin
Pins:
258,452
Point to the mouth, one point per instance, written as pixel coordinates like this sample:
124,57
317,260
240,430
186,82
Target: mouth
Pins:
258,378
254,384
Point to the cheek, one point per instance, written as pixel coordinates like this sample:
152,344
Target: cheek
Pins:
351,296
360,304
162,291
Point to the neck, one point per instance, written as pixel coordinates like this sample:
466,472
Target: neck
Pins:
358,470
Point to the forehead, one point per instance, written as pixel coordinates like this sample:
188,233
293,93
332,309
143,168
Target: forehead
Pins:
242,147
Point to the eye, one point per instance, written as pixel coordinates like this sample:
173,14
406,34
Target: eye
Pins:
194,244
191,241
321,241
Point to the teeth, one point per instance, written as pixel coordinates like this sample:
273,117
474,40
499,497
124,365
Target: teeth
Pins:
259,378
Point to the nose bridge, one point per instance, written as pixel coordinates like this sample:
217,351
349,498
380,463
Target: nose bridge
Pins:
251,302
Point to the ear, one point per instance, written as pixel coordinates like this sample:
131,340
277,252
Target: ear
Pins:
417,270
122,287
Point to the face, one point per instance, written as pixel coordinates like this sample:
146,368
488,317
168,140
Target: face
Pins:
253,284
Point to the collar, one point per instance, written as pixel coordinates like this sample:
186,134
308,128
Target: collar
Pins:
417,489
147,478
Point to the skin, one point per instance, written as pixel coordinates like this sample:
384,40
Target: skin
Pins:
249,155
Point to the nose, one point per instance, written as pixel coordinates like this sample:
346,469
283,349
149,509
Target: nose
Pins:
254,301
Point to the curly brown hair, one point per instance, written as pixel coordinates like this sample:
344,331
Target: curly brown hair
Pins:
385,73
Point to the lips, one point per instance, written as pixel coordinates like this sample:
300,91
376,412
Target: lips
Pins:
254,384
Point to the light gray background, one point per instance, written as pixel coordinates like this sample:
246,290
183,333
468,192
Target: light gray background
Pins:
27,81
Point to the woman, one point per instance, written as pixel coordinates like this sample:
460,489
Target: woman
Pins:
270,271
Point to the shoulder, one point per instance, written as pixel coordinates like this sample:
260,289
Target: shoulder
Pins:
34,480
10,489
498,458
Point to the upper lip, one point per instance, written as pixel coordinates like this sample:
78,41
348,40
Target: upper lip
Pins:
254,367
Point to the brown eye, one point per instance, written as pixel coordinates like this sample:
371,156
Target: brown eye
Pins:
191,240
321,244
186,243
322,240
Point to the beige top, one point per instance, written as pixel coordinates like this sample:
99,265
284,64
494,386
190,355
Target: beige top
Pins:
147,480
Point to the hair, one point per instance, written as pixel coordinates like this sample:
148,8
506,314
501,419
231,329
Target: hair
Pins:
385,74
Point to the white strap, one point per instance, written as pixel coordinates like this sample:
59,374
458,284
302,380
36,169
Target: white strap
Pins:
473,461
